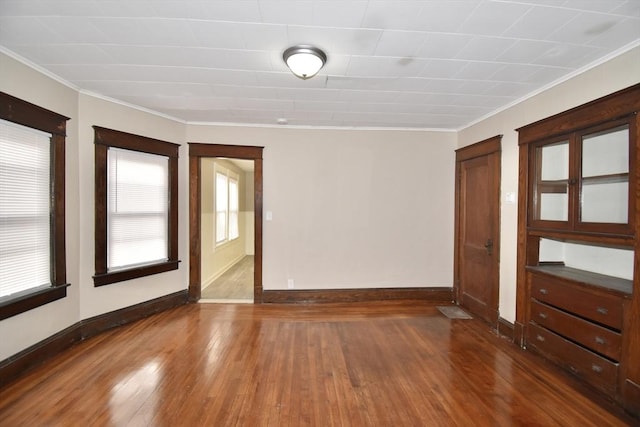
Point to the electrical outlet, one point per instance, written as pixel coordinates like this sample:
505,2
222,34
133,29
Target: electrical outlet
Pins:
290,284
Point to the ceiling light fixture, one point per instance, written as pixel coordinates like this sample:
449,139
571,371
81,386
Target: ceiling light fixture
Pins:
304,61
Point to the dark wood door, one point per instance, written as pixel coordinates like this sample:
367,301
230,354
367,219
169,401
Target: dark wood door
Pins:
477,228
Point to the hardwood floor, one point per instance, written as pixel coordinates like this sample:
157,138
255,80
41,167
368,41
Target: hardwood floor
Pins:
374,364
235,284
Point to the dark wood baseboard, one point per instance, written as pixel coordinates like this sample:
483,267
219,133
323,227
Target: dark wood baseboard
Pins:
95,325
443,295
14,366
30,357
518,334
505,328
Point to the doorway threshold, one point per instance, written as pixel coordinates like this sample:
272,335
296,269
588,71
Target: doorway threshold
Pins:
224,301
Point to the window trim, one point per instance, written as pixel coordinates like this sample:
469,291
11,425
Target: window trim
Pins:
105,138
26,114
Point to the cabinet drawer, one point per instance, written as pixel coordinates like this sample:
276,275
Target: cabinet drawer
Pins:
595,337
595,369
602,308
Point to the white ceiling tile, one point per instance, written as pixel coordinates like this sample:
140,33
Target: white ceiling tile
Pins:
344,41
444,16
286,12
26,31
351,14
585,27
628,8
385,66
443,45
526,51
319,106
229,10
478,70
493,18
594,5
540,22
566,56
628,29
442,68
420,63
399,43
485,48
316,94
392,15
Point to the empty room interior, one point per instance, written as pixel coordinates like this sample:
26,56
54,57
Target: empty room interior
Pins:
367,213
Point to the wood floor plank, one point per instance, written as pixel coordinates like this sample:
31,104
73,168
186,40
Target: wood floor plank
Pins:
374,364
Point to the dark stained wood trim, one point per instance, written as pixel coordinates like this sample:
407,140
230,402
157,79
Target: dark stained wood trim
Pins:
133,273
257,250
607,108
58,217
16,365
103,139
482,148
518,334
95,325
506,328
27,114
522,285
248,152
196,152
16,110
631,397
434,294
195,288
31,298
489,147
130,141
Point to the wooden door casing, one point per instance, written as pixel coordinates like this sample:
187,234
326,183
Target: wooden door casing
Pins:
477,233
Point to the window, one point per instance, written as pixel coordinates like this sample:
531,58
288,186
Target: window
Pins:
32,228
136,206
227,205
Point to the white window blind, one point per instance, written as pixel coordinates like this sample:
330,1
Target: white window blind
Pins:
138,209
25,231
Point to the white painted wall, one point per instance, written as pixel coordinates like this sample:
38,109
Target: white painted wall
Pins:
28,328
103,299
618,73
352,208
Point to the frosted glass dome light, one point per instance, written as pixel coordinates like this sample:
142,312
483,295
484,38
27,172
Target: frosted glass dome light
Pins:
304,61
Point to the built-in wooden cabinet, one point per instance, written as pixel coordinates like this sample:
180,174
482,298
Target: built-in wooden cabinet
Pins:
578,297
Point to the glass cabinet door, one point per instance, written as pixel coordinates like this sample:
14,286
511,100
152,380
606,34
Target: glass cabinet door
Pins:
552,182
604,182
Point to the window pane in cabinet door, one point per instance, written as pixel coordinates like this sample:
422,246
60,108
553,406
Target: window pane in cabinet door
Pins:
552,182
605,176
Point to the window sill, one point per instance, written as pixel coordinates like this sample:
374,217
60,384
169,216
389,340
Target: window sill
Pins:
133,273
27,300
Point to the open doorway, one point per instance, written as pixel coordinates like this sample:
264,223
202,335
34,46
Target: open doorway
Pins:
225,237
226,229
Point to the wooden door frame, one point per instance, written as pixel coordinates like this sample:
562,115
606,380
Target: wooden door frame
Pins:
197,151
489,147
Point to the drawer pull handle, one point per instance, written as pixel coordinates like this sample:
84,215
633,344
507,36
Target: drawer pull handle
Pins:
602,310
542,315
596,368
600,340
543,291
540,338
